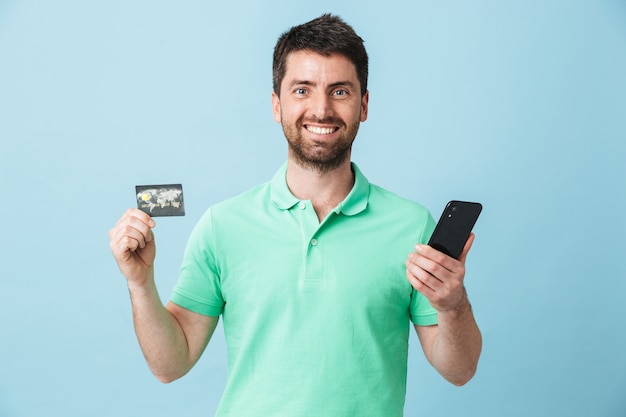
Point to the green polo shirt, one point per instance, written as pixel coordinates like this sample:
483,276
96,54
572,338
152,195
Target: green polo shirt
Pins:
316,315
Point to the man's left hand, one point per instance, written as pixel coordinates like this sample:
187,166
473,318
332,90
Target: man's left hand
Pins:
438,276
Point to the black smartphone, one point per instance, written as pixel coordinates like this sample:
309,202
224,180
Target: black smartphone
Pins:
454,227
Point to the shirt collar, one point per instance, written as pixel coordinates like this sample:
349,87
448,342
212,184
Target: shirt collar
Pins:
354,203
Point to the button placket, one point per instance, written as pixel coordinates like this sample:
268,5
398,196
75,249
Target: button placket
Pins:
313,256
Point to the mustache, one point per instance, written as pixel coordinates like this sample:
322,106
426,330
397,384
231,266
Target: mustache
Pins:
325,121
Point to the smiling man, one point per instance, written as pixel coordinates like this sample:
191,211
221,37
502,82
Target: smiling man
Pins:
320,107
316,273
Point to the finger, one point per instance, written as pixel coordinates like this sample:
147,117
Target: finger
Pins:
136,219
467,247
421,274
448,271
416,282
135,214
130,236
143,216
425,283
434,261
124,241
124,247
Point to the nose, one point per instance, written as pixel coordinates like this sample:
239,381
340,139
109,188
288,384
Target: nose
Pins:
321,106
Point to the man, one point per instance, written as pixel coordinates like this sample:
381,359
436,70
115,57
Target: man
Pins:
310,270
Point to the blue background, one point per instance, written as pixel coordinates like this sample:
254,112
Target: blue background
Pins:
518,104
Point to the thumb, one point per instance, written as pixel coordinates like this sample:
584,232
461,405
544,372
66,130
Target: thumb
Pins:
467,247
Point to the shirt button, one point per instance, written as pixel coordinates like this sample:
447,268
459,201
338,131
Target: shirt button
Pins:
302,205
313,242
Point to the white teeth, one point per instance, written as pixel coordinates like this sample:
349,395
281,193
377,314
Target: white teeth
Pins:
320,130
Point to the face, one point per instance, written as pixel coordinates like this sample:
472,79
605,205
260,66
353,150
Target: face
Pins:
320,108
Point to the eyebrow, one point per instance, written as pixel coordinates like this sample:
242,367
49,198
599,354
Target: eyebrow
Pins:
349,84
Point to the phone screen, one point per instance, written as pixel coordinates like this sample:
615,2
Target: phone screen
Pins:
454,227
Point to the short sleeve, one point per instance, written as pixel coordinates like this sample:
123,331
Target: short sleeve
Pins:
198,286
422,313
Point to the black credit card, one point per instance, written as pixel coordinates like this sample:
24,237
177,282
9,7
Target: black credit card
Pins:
161,200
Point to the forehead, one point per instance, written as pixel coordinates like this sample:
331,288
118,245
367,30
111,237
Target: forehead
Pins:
314,67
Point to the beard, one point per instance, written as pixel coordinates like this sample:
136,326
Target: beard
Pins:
320,155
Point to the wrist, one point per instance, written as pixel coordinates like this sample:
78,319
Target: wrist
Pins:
462,307
138,286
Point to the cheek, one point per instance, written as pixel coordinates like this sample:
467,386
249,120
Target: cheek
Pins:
288,113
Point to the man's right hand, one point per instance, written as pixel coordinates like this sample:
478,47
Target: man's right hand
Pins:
132,244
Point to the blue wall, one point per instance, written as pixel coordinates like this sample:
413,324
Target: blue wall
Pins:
518,104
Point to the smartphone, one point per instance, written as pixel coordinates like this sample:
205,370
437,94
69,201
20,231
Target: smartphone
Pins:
454,227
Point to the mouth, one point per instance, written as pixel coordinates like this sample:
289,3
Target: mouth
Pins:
319,130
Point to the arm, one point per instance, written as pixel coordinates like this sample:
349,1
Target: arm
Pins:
171,337
453,346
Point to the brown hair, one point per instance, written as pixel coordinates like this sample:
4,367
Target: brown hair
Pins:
325,35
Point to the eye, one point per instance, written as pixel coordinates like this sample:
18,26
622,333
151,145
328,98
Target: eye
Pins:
340,93
300,91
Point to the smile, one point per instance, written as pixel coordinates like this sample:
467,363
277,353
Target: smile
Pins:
321,130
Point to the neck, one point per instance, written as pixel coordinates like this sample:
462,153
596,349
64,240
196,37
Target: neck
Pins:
325,190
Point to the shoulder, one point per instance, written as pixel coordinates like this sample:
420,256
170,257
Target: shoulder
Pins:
381,198
248,204
384,202
255,195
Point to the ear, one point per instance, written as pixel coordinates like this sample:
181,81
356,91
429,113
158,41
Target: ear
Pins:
364,105
276,107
